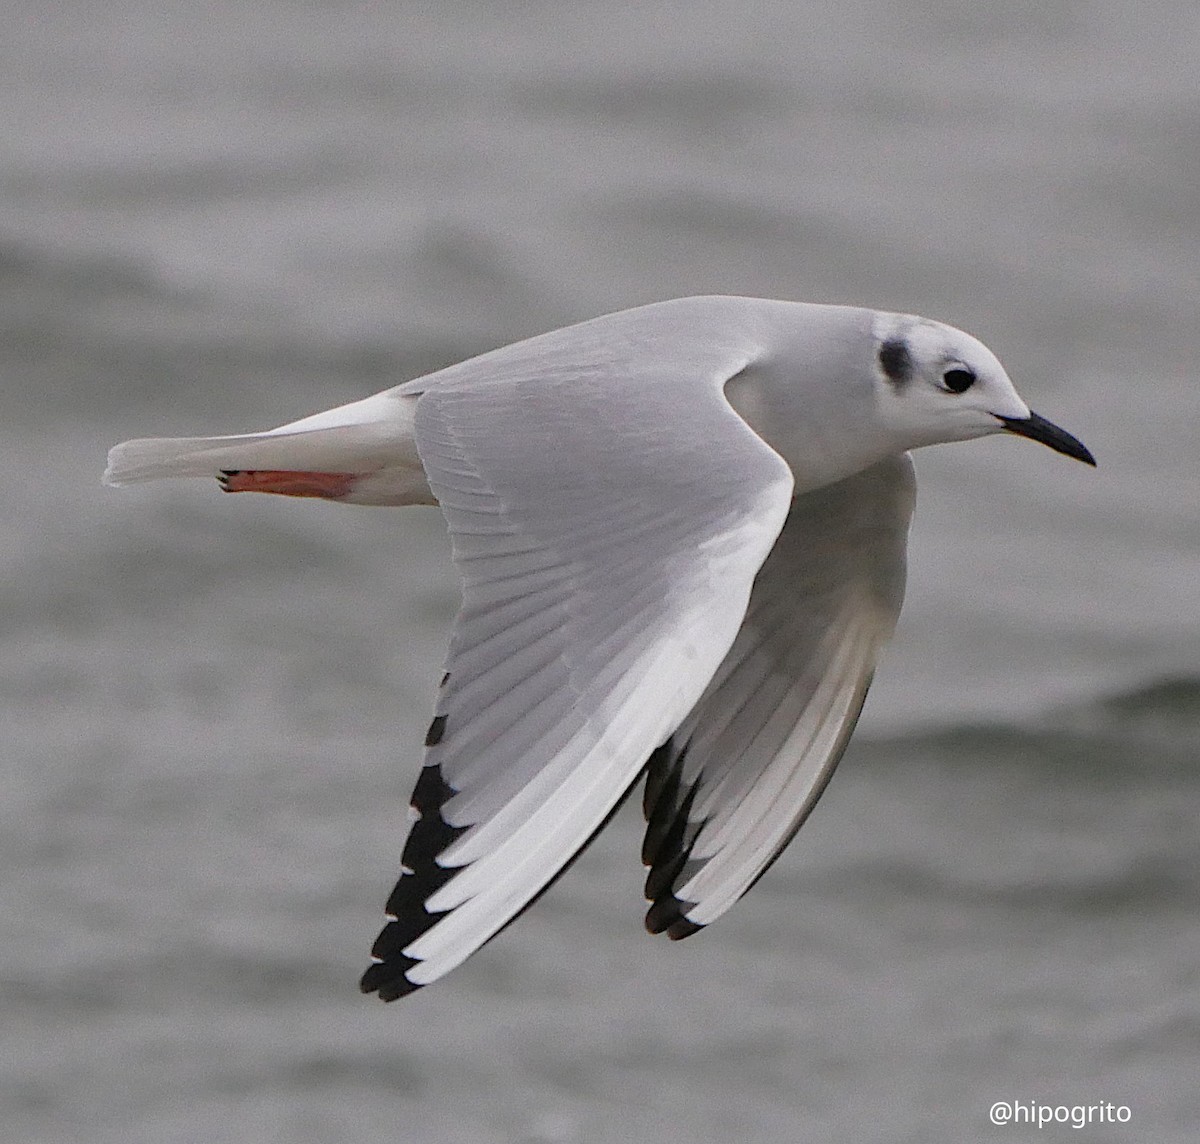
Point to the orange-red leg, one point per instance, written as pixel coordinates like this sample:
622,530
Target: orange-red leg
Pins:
331,486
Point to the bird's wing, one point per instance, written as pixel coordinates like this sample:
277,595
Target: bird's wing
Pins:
608,524
731,787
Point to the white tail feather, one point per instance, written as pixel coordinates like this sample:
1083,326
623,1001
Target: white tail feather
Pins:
359,438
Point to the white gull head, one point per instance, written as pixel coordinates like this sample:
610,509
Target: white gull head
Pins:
835,389
937,383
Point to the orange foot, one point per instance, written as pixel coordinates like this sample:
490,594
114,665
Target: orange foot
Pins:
328,485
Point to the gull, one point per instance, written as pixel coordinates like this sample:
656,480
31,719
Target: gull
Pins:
681,534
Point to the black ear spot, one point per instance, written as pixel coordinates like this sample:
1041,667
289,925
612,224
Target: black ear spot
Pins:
896,361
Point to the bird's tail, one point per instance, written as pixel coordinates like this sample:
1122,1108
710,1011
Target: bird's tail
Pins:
151,458
353,438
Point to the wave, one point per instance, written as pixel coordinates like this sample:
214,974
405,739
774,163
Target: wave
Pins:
1173,698
1149,724
104,984
26,266
85,333
1150,883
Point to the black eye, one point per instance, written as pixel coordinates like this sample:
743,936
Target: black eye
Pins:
958,380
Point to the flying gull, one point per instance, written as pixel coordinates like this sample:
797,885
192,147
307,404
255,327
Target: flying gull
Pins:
681,534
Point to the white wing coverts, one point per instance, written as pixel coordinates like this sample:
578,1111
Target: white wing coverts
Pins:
595,612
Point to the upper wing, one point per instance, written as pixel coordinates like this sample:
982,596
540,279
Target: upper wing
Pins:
608,524
726,794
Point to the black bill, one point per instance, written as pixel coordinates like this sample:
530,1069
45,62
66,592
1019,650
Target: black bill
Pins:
1037,428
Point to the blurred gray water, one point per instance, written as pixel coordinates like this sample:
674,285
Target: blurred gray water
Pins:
220,216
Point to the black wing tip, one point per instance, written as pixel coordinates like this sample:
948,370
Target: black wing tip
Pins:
668,915
437,728
423,877
389,979
664,766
